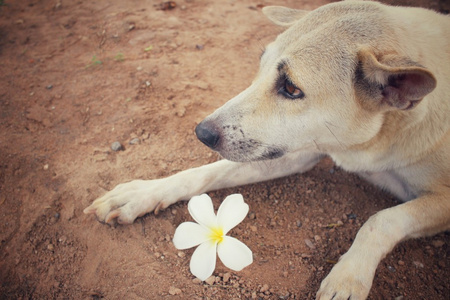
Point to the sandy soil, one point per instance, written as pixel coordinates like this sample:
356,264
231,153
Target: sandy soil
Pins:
77,76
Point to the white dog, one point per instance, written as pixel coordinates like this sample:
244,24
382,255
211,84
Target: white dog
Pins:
364,83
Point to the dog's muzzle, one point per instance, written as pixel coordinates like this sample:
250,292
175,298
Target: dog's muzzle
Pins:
208,134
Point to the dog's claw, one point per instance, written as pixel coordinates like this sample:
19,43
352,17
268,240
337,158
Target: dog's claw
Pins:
159,207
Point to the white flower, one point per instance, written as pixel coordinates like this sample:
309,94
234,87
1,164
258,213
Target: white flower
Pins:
210,235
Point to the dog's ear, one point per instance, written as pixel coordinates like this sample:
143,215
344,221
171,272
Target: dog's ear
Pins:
392,79
283,16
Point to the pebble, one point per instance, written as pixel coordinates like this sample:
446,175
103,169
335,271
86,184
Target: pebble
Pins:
310,244
226,277
46,167
116,146
210,280
196,281
264,288
49,87
351,216
181,254
174,291
401,263
438,243
50,247
391,268
418,264
135,141
253,228
252,216
299,224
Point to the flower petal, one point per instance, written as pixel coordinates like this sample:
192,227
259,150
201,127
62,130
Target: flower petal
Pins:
202,210
234,254
188,235
203,260
231,212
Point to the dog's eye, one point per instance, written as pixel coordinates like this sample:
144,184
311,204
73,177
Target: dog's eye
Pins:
289,90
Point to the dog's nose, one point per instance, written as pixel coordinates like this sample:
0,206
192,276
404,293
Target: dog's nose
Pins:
208,134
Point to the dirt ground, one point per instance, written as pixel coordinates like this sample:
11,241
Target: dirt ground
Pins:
77,76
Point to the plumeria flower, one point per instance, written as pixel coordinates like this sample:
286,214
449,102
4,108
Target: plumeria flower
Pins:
209,233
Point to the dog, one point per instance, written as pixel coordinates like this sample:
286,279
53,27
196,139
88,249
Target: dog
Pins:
361,82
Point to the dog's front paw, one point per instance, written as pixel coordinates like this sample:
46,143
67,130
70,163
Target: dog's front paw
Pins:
130,200
351,278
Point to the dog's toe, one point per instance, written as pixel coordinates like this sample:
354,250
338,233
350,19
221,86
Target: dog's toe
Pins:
349,279
130,200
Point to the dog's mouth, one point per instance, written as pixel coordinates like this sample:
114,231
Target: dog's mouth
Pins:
231,143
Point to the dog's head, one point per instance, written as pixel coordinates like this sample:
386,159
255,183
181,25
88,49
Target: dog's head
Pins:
325,84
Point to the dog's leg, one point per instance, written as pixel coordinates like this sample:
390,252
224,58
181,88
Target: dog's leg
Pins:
130,200
352,276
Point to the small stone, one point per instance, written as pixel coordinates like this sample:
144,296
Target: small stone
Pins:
135,141
196,281
285,274
226,277
252,216
401,263
49,87
317,238
418,264
391,269
299,224
253,228
50,247
351,216
438,243
174,291
181,254
199,47
46,167
310,244
116,146
264,288
210,280
174,211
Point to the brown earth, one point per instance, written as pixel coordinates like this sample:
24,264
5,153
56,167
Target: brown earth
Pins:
77,76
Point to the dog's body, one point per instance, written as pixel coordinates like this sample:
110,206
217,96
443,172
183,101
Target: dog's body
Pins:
364,83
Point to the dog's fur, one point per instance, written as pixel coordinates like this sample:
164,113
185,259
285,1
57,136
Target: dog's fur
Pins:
366,84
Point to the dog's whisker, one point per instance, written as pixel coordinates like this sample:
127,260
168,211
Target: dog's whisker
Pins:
342,145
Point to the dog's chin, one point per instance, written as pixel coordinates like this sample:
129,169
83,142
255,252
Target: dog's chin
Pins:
266,154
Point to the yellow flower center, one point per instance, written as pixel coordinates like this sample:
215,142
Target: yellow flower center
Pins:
217,234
